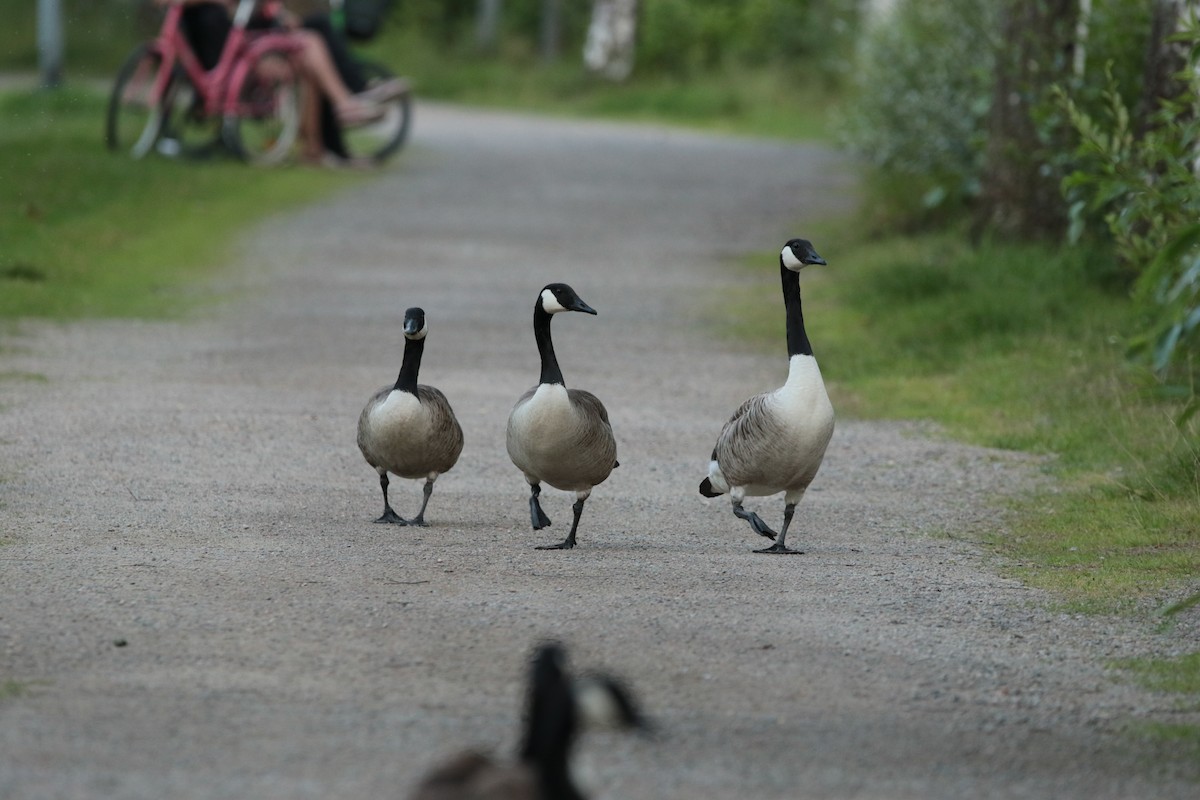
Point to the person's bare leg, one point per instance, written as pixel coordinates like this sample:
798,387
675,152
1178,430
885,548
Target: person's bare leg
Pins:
311,146
319,64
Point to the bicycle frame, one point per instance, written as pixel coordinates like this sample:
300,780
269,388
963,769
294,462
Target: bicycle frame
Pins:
218,88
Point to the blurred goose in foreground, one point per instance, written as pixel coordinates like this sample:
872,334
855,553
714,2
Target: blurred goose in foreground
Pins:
557,435
409,429
775,441
557,711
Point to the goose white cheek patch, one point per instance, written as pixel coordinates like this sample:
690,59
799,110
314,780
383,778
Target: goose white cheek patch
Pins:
790,261
418,336
550,302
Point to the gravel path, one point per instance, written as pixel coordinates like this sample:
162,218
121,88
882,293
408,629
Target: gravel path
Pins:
196,605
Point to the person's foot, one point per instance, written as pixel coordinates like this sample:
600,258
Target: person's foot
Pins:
384,91
357,111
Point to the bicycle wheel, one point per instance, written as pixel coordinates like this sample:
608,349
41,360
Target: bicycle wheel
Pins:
186,129
264,124
381,139
134,118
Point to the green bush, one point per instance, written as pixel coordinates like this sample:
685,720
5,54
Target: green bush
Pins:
1145,189
921,98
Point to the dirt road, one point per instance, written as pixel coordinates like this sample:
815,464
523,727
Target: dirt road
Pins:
196,604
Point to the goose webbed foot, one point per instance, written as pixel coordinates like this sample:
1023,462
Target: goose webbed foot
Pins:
760,527
780,549
566,544
391,517
536,516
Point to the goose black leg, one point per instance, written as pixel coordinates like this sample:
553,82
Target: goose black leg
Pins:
536,515
760,527
389,515
569,542
779,547
419,519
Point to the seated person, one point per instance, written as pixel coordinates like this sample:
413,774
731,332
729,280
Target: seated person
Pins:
207,24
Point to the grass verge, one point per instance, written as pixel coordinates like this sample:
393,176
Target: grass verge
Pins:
1180,675
92,233
770,101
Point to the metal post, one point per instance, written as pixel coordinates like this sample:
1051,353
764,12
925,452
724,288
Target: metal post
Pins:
50,42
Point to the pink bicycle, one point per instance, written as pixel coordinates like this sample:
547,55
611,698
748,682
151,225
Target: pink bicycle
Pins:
164,99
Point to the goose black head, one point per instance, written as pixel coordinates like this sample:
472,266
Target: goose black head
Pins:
414,324
798,254
556,297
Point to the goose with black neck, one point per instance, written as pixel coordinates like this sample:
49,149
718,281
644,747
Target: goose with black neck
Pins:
775,441
557,435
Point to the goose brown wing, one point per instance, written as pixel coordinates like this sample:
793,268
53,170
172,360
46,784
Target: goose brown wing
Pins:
750,443
446,433
596,437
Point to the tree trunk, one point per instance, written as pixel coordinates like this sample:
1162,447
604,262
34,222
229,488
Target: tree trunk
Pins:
1020,194
1164,59
611,38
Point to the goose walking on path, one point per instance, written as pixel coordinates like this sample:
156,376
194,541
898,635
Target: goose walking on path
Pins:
558,709
776,440
557,435
409,429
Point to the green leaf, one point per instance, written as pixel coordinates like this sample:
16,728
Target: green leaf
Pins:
1166,347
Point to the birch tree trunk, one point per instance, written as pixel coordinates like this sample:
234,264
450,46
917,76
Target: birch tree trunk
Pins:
611,39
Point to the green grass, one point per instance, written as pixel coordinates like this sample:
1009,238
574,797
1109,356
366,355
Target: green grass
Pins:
766,101
1181,674
92,233
11,688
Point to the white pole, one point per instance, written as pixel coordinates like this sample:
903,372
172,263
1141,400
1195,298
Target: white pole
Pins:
50,42
487,24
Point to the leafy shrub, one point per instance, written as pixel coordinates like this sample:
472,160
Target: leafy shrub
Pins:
1145,188
922,94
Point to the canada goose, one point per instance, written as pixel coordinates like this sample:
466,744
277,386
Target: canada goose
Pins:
409,429
558,435
775,441
557,709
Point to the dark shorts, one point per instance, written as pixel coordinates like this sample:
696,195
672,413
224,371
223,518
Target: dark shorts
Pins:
207,26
